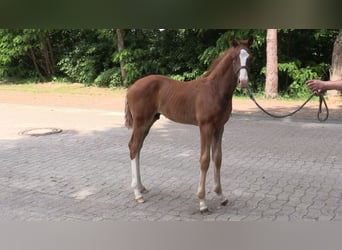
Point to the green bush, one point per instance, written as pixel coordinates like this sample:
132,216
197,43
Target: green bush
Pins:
109,78
79,64
133,59
297,77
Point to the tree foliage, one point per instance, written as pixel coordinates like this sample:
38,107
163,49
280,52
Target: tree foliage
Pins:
92,56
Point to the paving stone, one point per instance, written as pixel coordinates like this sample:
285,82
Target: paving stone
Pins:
272,170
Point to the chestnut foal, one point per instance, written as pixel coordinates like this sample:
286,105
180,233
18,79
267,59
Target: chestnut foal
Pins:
205,102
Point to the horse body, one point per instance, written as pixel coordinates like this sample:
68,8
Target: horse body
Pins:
205,102
190,99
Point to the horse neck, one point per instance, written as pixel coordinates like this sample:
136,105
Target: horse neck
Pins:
223,77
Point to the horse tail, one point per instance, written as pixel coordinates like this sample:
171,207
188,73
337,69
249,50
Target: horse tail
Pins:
128,115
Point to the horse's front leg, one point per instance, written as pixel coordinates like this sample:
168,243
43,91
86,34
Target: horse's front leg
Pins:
206,138
217,158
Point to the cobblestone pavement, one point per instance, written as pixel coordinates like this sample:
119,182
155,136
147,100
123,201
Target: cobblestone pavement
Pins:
283,170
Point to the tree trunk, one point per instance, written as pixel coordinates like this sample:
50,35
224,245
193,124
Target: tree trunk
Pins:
51,55
271,86
34,60
47,61
120,34
336,63
47,64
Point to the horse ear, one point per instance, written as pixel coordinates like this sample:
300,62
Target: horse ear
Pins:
250,41
233,42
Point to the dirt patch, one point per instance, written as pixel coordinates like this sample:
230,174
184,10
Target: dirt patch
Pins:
115,102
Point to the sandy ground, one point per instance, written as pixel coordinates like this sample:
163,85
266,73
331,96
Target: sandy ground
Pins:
117,103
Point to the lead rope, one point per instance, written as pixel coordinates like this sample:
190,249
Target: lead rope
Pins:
319,112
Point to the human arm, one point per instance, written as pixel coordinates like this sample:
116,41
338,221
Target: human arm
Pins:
320,86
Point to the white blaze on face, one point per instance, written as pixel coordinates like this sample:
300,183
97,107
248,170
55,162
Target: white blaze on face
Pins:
243,76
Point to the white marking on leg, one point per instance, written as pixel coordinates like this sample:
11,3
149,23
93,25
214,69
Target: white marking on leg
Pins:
203,206
136,179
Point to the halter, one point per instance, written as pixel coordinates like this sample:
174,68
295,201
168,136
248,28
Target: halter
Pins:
242,67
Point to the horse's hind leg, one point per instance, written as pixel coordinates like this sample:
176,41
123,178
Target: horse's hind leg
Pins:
134,147
217,158
140,131
136,184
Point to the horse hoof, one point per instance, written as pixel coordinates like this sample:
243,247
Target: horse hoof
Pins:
204,210
225,202
140,200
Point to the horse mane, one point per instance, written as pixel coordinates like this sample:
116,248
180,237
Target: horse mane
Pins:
218,61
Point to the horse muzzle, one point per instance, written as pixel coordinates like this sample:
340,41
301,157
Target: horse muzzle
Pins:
243,83
243,77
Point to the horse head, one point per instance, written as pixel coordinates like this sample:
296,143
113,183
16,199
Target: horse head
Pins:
241,59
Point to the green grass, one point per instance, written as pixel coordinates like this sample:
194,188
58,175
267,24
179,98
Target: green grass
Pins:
61,88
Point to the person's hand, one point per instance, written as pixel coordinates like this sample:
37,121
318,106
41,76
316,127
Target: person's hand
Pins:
316,86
